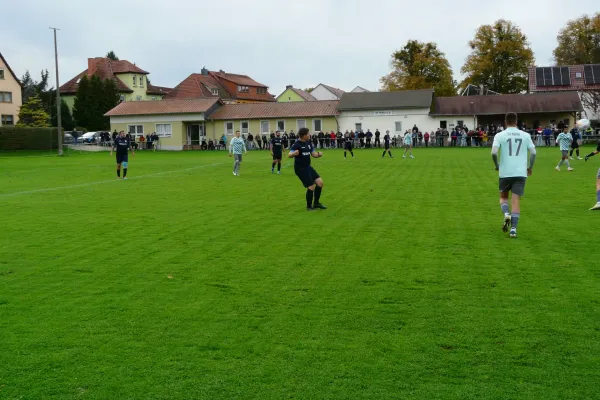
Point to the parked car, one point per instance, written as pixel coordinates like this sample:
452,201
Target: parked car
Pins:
90,137
68,138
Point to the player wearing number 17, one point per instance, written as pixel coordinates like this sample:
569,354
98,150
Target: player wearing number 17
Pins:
512,144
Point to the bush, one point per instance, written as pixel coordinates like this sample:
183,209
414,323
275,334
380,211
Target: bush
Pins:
80,129
23,138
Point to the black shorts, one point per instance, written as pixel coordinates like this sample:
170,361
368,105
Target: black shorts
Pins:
516,185
277,156
121,158
387,145
574,145
348,146
307,175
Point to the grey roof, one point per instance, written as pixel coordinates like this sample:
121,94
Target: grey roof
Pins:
543,102
386,100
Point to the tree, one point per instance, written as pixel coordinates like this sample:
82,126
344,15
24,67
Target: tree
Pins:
579,41
499,59
420,65
94,98
32,88
66,118
308,90
32,114
112,56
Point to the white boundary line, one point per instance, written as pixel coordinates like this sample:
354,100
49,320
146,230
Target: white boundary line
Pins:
106,181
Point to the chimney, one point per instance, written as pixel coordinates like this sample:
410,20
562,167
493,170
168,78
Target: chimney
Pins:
204,71
92,66
288,87
221,71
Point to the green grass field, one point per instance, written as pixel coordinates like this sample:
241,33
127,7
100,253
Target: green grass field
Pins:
186,282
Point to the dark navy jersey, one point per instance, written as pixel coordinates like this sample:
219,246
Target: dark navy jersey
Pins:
305,149
598,147
122,145
386,138
349,139
277,145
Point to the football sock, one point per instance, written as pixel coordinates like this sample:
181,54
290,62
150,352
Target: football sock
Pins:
577,151
390,153
568,164
598,195
561,162
309,198
124,172
383,155
352,154
571,153
590,155
344,154
504,207
273,166
119,173
514,220
318,190
278,166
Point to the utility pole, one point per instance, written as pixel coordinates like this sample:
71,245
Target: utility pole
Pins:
58,104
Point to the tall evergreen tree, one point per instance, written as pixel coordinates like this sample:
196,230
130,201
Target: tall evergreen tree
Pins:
32,114
81,112
66,118
112,56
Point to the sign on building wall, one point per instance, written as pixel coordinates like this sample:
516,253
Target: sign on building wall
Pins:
380,113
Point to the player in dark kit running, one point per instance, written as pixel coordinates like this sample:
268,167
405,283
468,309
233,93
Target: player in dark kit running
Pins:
348,142
122,145
276,152
592,154
386,140
302,151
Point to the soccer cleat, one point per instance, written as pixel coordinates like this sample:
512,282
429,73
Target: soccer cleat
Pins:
513,233
320,206
557,168
403,156
272,171
412,156
311,209
596,207
234,174
569,169
570,158
587,157
125,178
506,223
579,158
278,172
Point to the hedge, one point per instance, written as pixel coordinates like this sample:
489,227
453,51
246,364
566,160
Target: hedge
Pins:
19,138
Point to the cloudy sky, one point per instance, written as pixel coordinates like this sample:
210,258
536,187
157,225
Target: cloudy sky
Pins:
342,43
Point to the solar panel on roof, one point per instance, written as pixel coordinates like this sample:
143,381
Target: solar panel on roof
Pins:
556,78
539,76
596,71
566,75
588,74
548,77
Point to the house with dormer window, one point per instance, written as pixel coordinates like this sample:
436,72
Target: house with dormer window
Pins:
10,94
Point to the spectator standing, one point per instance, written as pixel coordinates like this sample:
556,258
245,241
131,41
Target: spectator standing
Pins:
338,138
332,140
426,137
369,136
284,139
415,138
420,138
258,142
377,141
361,137
250,142
453,137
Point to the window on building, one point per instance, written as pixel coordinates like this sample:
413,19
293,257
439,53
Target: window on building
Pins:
214,91
358,127
142,81
443,124
245,126
317,125
8,120
229,128
281,125
243,89
135,129
163,130
134,81
578,75
460,123
301,123
398,127
138,98
1,73
5,97
153,97
122,97
264,127
261,90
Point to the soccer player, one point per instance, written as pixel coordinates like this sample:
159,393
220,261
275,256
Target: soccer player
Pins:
386,140
564,139
592,154
302,150
236,146
276,152
575,136
348,143
122,144
513,169
408,144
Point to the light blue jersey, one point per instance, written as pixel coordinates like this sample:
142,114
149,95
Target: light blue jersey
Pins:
564,140
513,144
408,140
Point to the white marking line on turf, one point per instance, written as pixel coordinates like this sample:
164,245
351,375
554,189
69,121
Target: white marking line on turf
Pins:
106,181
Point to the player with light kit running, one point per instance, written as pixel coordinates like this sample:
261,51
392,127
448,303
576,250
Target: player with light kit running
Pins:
513,145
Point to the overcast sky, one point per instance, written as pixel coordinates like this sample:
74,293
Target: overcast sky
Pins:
343,43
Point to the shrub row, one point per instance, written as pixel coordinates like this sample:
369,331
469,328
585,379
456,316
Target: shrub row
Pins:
20,138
